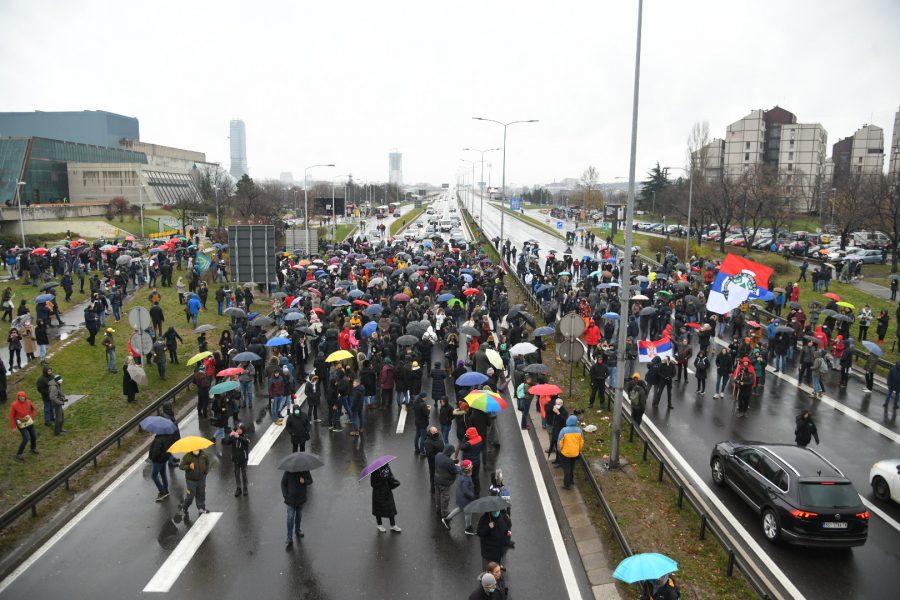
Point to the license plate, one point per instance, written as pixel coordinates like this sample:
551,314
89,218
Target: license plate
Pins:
840,525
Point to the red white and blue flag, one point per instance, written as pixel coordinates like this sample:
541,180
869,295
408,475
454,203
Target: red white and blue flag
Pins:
738,281
649,349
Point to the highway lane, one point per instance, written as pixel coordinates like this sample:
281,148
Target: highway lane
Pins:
698,423
117,548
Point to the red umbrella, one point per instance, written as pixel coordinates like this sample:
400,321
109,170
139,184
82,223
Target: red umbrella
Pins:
401,297
692,325
831,295
544,389
39,251
361,303
74,244
230,372
753,324
471,291
319,310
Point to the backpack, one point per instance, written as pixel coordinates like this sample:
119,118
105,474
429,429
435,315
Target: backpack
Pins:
637,398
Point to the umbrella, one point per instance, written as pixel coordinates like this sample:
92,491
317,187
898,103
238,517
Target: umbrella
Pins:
486,402
454,301
159,425
828,313
515,310
544,389
650,310
895,276
235,312
471,291
356,294
39,251
246,357
833,296
198,357
375,281
263,321
337,302
639,297
542,331
230,372
339,355
225,386
138,374
277,341
21,320
494,358
445,297
537,369
43,298
373,310
663,294
294,316
300,461
189,444
401,297
522,348
375,465
407,340
794,305
846,305
644,567
486,504
123,260
471,378
369,328
610,315
753,324
49,286
469,330
846,318
873,348
784,329
204,328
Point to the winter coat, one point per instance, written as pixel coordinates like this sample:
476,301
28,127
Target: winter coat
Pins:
724,363
129,385
297,426
434,445
438,385
599,373
570,439
369,380
240,448
383,482
292,491
893,378
420,412
494,540
637,392
465,490
387,377
445,468
805,431
201,466
158,447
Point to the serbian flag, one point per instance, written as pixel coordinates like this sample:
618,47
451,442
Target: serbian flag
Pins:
738,281
648,349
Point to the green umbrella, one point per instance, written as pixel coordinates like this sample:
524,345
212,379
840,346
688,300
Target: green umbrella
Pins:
454,301
225,386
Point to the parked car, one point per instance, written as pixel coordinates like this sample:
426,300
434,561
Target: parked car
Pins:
885,479
867,257
800,496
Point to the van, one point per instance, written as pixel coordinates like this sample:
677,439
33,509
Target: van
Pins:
869,239
446,225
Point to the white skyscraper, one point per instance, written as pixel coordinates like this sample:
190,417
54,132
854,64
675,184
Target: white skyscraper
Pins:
894,165
238,137
395,168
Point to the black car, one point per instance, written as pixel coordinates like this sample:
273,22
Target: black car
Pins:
801,497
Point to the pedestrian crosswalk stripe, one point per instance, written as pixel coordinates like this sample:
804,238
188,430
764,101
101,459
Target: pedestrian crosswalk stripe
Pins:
171,570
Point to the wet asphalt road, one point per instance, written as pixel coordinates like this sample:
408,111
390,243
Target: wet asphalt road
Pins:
119,546
699,422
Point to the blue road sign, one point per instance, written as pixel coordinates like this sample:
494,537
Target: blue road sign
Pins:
559,224
515,203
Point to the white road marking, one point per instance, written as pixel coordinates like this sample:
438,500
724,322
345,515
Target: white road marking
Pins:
401,419
265,443
559,546
40,552
887,518
170,570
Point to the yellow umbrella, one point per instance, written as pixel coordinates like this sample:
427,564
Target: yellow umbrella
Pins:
198,357
189,444
339,355
846,305
494,358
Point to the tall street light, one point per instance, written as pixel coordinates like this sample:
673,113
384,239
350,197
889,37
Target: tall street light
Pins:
625,269
306,200
503,189
19,186
687,241
481,182
472,185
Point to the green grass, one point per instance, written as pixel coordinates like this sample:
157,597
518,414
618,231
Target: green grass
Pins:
531,221
398,225
104,408
343,230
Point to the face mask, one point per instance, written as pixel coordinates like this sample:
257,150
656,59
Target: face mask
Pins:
496,513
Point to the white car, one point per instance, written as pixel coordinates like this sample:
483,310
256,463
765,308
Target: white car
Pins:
885,479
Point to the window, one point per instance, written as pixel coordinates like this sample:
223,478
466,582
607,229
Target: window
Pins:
790,156
828,495
792,143
746,145
746,156
790,167
859,160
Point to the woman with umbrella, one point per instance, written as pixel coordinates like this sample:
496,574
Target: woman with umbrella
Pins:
383,483
129,385
159,455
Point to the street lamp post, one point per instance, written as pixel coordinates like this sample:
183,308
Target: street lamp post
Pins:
503,188
471,201
19,203
625,270
481,182
306,200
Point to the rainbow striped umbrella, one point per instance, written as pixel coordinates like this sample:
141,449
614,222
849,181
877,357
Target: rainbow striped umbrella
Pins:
485,401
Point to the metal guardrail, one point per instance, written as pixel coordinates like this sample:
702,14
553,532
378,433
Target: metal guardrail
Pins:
30,502
757,574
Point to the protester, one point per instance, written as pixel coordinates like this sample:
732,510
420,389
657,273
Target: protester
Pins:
465,493
239,442
196,467
805,429
294,492
21,418
383,483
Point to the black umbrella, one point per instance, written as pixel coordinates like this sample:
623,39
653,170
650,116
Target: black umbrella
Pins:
846,318
469,330
795,305
690,298
810,338
416,328
828,313
528,318
263,321
49,285
515,310
537,369
300,461
895,276
407,340
486,504
784,329
681,266
650,310
246,357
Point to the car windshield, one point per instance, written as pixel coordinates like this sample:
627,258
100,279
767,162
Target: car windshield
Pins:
828,495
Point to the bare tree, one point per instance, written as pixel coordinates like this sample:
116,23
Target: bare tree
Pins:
215,187
762,195
849,205
884,200
723,202
590,181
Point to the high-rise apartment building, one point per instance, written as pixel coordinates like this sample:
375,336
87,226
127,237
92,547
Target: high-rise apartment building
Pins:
860,154
894,165
710,159
395,168
238,137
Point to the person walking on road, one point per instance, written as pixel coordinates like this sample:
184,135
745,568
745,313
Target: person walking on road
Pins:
297,426
240,455
701,366
445,473
893,383
383,483
666,374
495,531
744,381
805,429
21,418
293,491
196,467
488,587
159,457
570,442
470,449
434,445
421,413
820,368
465,493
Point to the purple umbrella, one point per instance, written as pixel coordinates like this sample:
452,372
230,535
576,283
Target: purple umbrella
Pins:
375,465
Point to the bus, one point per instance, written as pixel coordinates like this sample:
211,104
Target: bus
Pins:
381,211
393,207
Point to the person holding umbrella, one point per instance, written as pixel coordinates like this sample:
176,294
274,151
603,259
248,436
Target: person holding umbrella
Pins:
129,385
294,492
383,483
195,465
159,454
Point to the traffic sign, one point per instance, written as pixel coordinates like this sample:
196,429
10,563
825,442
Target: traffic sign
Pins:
139,318
142,342
559,224
571,325
570,351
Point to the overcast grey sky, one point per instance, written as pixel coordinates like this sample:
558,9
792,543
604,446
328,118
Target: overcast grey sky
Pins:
346,82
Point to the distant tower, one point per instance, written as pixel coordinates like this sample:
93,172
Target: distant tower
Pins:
395,168
238,149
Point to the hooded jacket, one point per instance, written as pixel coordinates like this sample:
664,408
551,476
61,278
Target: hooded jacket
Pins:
570,439
445,468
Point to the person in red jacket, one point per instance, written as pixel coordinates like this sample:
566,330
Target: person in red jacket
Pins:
21,417
744,378
591,337
344,339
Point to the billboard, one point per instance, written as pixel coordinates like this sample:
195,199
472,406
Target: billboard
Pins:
295,241
324,206
251,252
515,203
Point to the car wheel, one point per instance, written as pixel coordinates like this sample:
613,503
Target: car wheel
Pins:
718,471
771,528
880,488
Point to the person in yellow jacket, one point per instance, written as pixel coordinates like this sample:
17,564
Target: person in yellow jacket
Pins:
569,443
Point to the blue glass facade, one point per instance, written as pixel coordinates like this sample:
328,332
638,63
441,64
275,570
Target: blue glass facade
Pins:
95,127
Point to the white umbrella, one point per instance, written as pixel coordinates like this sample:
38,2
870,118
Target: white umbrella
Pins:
494,358
523,348
138,374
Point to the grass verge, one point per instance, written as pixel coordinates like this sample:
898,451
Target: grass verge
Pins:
531,221
398,225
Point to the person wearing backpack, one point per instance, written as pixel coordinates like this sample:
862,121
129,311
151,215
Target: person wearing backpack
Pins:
637,391
744,382
569,444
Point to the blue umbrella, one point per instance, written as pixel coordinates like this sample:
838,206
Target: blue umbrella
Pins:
339,302
44,298
369,265
320,273
873,348
293,316
158,425
465,270
356,294
471,378
542,331
644,567
565,274
278,341
610,315
467,277
445,297
373,310
252,316
543,288
369,328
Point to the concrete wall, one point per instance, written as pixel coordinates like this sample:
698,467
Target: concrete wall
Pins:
91,229
57,212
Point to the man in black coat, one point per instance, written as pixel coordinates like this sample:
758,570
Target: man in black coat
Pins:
666,375
599,373
434,445
297,426
293,490
445,472
421,414
438,385
240,455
